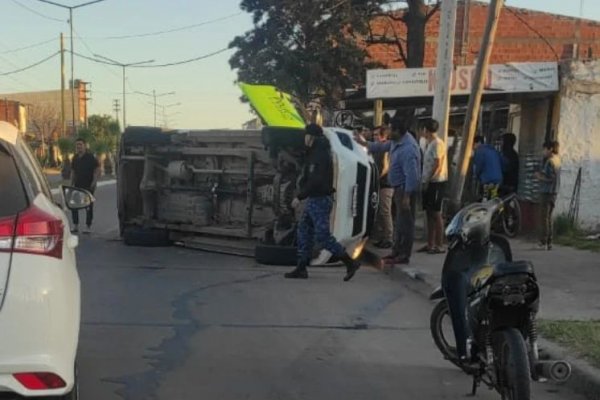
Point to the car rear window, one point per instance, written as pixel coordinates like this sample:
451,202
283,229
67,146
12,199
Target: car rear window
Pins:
12,193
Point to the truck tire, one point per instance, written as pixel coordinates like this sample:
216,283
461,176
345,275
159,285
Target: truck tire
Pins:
145,136
145,237
275,255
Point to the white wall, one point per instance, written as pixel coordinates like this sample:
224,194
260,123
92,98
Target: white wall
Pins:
579,137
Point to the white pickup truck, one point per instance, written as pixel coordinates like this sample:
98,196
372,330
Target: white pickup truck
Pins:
231,190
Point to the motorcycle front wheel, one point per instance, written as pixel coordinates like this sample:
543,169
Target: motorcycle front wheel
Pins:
511,219
440,324
512,363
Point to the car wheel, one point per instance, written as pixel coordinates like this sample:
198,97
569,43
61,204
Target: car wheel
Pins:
145,237
275,255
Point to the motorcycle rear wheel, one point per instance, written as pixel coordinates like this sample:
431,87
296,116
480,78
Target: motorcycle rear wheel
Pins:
512,362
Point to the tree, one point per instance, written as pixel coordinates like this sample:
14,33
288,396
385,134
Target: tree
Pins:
101,135
411,49
304,47
45,122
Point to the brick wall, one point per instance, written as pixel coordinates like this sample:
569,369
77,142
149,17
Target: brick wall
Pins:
517,37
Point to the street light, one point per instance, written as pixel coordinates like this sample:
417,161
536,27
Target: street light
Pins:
122,65
154,95
71,8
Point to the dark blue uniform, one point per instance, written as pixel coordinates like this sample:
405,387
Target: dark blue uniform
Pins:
317,187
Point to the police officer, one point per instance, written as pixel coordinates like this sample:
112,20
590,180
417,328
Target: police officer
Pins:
316,187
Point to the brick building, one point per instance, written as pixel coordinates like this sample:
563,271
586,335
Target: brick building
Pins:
14,113
522,35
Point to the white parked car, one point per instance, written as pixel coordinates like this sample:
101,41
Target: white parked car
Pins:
39,283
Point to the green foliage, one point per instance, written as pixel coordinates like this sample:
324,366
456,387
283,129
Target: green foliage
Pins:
583,337
565,226
65,145
569,233
101,134
306,48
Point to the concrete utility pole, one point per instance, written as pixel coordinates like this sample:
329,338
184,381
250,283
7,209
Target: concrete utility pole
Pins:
123,66
116,109
71,8
445,66
483,60
154,95
63,119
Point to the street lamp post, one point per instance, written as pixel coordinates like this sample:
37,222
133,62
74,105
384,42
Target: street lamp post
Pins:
71,8
155,96
123,66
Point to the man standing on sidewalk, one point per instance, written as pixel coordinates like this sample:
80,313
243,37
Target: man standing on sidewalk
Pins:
317,188
405,178
85,171
384,225
550,179
435,175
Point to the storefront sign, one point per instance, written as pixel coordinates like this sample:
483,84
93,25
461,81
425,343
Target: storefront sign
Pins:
501,78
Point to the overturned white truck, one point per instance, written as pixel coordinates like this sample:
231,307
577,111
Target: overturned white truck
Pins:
231,191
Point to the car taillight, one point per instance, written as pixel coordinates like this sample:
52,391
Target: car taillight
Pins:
40,380
7,232
38,233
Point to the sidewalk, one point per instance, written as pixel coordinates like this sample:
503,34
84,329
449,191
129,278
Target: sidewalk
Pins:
569,279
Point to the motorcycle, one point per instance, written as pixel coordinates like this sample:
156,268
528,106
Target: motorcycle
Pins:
497,303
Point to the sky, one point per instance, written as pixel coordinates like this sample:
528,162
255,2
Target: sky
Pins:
205,94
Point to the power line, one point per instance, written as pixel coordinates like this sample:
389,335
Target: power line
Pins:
31,46
183,28
528,25
153,65
39,14
30,66
184,61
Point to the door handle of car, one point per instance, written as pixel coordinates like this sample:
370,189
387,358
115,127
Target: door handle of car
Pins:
72,241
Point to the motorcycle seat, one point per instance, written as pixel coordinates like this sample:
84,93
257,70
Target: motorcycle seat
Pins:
513,267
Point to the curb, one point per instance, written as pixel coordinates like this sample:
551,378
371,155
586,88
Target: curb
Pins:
585,379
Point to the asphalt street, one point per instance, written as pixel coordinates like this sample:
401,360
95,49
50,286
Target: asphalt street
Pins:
173,323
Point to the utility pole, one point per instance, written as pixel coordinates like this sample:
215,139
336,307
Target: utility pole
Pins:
63,119
123,66
445,66
116,109
154,95
71,8
483,60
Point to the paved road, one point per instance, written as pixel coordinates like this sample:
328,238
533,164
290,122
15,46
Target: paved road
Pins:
179,324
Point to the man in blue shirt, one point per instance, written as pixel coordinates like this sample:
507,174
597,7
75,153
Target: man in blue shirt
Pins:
404,176
487,163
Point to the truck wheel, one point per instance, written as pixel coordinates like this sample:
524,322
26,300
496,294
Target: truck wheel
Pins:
275,255
145,136
145,237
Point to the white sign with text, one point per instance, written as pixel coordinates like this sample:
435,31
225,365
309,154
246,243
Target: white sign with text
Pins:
501,78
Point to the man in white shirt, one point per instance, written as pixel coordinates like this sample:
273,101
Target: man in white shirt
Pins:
435,176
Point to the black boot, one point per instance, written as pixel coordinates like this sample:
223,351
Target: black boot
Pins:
351,266
299,272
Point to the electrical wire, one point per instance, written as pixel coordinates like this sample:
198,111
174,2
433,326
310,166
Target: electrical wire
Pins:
39,14
154,66
183,61
31,46
30,66
183,28
528,25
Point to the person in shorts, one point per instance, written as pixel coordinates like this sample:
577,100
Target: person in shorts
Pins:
435,176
